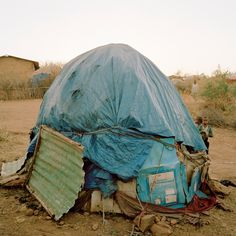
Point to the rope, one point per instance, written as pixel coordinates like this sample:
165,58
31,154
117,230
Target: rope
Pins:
155,177
118,131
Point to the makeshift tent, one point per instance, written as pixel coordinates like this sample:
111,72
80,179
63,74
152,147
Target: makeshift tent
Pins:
129,118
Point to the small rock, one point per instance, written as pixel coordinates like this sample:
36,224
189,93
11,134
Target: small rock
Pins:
173,221
48,218
144,222
23,199
95,226
165,224
207,222
36,212
29,212
157,219
61,222
27,195
86,213
76,227
45,213
23,208
20,219
179,227
224,225
160,230
40,208
163,218
147,234
207,213
33,205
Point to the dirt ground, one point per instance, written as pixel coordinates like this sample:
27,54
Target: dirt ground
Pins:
16,119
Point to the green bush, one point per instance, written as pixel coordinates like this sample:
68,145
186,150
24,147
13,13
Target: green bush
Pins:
233,90
220,95
219,100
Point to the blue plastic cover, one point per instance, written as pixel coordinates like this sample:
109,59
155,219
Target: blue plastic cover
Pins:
162,179
97,178
195,185
39,78
114,95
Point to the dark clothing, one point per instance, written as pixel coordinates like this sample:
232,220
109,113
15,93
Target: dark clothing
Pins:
206,131
207,145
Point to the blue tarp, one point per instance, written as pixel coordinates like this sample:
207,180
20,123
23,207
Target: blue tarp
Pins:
162,178
119,100
39,78
97,178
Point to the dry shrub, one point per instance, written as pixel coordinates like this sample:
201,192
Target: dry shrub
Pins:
219,102
215,117
15,89
53,69
216,99
184,83
183,86
4,135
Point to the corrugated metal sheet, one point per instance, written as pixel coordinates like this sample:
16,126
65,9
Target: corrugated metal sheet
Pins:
57,175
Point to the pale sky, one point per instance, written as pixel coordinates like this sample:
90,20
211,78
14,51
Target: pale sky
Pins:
194,36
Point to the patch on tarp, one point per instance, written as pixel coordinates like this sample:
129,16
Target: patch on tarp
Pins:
56,175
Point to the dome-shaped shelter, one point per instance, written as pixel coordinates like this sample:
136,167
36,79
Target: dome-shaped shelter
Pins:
119,100
133,126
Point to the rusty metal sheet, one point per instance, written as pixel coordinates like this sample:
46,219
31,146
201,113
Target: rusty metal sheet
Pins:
56,175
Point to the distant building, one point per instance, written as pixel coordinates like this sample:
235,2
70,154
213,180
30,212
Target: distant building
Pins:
232,79
176,77
16,68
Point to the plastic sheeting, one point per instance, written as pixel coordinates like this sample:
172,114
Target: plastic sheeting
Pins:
112,94
162,179
39,78
97,178
12,167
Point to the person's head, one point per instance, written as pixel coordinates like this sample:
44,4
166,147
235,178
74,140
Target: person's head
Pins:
198,120
205,121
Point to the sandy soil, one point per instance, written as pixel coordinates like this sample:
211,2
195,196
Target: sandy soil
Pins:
18,117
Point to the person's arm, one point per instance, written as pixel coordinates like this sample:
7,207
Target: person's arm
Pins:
210,132
200,128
